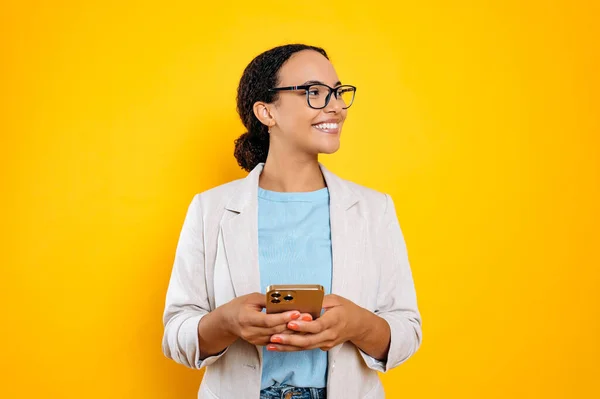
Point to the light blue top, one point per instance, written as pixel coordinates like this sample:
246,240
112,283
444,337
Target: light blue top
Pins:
294,240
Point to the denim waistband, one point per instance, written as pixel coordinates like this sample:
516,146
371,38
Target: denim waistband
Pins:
291,392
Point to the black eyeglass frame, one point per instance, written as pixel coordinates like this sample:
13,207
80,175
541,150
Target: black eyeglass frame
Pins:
331,90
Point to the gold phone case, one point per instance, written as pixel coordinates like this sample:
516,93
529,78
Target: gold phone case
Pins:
305,298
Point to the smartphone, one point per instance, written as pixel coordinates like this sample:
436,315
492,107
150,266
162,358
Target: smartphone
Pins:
305,298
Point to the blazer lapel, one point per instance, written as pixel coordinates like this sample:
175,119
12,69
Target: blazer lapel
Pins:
240,235
347,242
347,236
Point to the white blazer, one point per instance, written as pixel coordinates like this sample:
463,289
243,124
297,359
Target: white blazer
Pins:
216,260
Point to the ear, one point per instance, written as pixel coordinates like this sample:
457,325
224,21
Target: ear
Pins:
262,111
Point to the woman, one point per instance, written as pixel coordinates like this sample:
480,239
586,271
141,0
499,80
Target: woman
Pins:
291,221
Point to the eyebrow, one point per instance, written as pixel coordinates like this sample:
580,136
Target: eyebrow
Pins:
312,82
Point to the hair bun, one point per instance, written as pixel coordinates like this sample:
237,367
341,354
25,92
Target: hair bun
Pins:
251,149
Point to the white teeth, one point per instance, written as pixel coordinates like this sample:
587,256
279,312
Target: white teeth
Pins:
327,126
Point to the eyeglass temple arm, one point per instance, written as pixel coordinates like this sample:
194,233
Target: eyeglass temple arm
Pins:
290,88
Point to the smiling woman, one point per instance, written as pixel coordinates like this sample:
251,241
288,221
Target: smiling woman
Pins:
291,221
279,110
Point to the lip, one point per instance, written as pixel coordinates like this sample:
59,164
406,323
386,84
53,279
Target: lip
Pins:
328,121
329,131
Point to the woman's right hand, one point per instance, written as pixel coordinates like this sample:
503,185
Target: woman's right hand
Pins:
244,318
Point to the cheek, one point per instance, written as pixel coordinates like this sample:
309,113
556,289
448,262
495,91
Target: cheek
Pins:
299,119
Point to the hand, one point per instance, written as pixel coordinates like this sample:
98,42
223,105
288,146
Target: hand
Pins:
341,322
244,318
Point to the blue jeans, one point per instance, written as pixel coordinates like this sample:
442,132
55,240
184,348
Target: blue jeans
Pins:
290,392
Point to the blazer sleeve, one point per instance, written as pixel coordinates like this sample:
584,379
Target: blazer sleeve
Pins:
396,299
187,299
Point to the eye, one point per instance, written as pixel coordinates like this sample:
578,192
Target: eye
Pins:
315,91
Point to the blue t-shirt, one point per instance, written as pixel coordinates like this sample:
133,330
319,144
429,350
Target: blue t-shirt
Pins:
294,240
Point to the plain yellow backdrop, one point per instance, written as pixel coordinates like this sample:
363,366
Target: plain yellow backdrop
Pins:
480,118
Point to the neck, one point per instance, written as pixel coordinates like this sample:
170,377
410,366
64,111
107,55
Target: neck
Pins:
289,174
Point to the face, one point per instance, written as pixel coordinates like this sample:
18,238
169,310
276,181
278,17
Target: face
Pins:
298,127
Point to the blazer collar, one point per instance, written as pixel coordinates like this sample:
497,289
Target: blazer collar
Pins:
340,194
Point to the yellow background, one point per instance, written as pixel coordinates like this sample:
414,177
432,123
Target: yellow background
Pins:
480,118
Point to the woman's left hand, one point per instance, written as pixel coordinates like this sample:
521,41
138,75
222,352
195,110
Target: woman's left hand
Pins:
342,321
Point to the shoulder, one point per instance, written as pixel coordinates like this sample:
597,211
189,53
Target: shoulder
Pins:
367,194
221,191
376,201
217,196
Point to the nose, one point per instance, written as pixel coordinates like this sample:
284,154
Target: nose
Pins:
335,105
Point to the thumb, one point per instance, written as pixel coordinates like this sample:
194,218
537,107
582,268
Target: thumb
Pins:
257,299
330,301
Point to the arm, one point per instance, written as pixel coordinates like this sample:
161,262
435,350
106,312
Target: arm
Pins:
374,338
397,302
187,301
213,335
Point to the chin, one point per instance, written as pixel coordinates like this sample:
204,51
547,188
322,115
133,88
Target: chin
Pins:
329,149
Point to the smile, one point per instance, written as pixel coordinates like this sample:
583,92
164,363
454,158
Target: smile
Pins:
328,127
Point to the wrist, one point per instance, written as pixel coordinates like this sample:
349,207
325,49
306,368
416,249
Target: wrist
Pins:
363,324
223,319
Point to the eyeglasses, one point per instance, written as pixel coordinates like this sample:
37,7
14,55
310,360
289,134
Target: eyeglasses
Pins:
318,95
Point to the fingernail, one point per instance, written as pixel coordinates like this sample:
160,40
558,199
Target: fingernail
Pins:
295,316
277,340
293,325
271,347
306,318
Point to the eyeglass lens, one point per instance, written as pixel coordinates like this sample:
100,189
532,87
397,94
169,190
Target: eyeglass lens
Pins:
317,95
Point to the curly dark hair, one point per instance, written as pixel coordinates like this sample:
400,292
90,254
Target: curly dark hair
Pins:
262,74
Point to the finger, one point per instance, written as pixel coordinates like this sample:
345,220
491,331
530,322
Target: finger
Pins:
305,317
264,335
326,321
283,348
266,339
268,331
260,319
280,329
288,331
312,327
301,340
277,319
